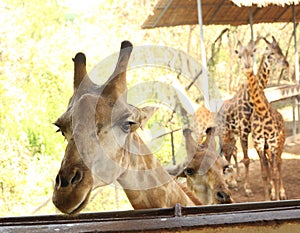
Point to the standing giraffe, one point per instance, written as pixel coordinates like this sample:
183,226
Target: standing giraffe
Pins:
235,114
268,133
104,147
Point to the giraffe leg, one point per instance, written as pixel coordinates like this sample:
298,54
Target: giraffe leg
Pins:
246,161
274,181
276,178
265,173
234,154
277,191
282,194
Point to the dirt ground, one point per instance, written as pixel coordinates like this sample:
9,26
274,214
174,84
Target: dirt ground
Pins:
290,171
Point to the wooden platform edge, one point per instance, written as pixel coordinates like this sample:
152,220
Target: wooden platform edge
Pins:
243,217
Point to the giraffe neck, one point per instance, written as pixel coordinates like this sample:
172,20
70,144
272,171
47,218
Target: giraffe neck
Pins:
263,72
147,184
257,95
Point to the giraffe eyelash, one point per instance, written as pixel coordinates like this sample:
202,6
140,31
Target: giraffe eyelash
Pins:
59,130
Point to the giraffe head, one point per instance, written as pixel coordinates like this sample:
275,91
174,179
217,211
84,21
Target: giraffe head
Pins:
245,55
274,54
97,125
271,55
204,170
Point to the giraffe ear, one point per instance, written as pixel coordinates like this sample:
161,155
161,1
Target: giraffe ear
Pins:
265,39
269,45
274,42
116,85
176,170
238,46
190,144
146,114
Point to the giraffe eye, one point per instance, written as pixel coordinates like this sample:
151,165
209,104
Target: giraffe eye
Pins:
227,169
189,171
126,126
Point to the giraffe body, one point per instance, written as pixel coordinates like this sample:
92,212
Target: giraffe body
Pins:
268,135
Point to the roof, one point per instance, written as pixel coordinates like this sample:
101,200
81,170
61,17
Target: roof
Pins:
220,12
263,3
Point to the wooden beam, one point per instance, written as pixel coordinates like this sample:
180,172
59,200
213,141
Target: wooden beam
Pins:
282,92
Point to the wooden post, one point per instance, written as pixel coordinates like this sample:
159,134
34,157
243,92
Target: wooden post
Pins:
203,57
295,45
252,38
296,73
294,118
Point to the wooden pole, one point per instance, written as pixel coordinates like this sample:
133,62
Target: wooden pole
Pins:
252,38
296,72
203,57
295,45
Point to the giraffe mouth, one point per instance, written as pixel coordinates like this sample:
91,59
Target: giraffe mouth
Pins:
82,205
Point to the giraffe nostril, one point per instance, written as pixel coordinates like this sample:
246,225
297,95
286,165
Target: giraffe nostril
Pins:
57,180
77,177
64,181
222,197
61,181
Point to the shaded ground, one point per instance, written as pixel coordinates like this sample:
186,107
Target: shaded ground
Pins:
291,176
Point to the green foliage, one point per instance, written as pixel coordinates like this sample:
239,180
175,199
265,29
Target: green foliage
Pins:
35,141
